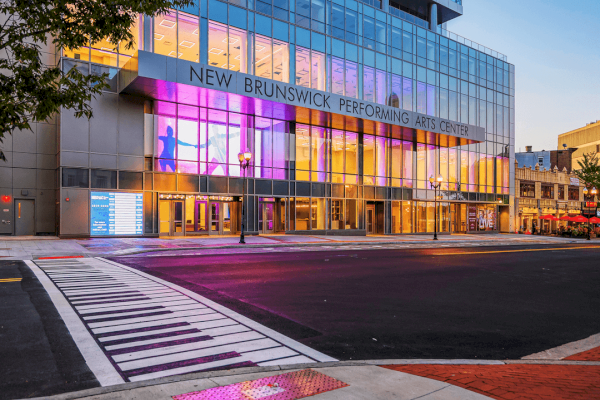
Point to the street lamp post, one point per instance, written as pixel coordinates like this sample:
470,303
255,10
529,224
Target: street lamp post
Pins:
435,184
244,163
593,192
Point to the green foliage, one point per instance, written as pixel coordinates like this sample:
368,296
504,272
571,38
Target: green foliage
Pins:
589,171
31,91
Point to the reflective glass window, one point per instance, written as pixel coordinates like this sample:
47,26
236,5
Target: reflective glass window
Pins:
337,75
187,28
217,45
263,57
281,61
381,86
351,79
407,94
302,66
318,75
369,84
165,34
217,142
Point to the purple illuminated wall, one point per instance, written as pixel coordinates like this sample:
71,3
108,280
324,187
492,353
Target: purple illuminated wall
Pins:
194,140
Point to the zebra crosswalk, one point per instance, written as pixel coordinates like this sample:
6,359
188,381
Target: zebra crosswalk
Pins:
147,328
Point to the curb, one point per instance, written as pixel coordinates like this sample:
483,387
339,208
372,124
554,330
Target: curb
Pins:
254,370
279,245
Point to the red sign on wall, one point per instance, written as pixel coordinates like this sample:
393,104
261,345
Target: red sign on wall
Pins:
591,204
472,218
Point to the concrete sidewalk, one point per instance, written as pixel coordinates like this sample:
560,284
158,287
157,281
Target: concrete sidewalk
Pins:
379,380
27,248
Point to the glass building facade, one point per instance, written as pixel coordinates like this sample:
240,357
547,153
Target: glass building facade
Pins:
307,175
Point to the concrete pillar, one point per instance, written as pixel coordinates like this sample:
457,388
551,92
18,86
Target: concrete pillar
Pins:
385,5
433,20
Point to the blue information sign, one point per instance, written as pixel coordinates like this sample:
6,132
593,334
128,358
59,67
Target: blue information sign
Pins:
116,213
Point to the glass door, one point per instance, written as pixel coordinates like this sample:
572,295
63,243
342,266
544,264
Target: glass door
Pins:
268,219
215,219
200,216
177,227
370,219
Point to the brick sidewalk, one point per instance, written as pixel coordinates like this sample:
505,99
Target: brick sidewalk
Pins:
516,381
590,355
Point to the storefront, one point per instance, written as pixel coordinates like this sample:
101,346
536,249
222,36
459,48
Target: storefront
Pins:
315,168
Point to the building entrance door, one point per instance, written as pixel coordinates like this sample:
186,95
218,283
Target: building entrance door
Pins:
171,214
371,222
223,218
459,218
24,217
266,217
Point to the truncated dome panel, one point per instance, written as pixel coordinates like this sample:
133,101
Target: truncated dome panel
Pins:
289,386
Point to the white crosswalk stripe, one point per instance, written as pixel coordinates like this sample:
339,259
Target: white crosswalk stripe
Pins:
149,328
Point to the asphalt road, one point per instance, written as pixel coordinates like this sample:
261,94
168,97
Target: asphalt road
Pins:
500,303
38,356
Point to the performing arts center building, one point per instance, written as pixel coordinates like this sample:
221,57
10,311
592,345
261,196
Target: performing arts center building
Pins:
346,109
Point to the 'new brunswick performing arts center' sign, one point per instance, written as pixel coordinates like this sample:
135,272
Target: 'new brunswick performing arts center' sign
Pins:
143,73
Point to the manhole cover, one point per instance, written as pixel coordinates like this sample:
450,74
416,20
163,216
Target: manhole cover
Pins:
290,386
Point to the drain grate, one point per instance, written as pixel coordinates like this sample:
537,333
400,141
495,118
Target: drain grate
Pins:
289,386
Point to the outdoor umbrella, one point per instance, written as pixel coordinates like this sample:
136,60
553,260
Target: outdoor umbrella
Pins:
565,218
579,218
595,220
553,218
546,217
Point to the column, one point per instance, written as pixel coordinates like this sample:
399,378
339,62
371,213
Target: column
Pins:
433,20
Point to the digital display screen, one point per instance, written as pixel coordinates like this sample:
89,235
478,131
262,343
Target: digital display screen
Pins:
116,213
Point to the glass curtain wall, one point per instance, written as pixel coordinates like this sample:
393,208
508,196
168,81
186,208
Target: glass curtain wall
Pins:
197,140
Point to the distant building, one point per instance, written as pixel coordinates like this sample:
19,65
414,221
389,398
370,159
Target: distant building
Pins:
542,192
585,140
546,159
529,159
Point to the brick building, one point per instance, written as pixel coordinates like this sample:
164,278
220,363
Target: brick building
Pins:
541,192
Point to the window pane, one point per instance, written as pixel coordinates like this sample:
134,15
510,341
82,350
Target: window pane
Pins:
130,180
421,166
421,98
318,76
407,164
188,37
125,54
104,52
351,79
431,95
217,45
369,84
281,61
368,155
407,94
263,147
238,50
217,142
337,151
396,94
351,153
165,146
165,34
320,153
381,87
75,177
102,179
337,76
302,66
238,143
302,151
280,149
263,57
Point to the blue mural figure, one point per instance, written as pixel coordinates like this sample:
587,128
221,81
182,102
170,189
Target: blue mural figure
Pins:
168,154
